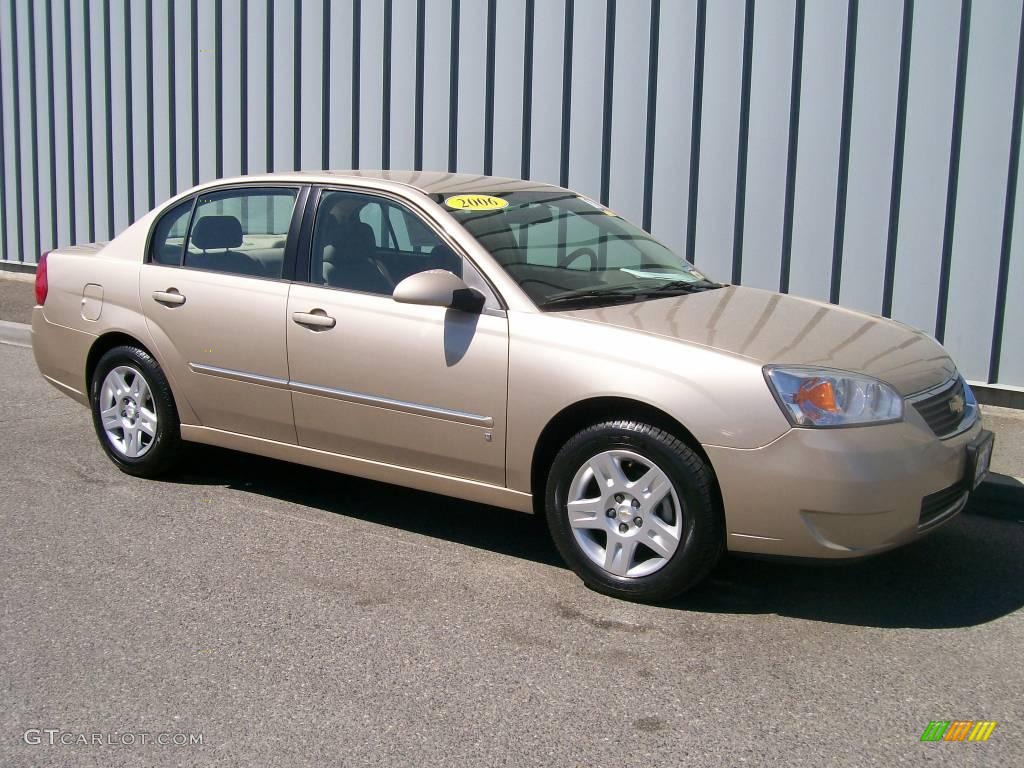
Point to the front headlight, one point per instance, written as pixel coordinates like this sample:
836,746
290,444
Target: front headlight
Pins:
820,397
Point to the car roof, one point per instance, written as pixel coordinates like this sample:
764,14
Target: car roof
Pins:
429,182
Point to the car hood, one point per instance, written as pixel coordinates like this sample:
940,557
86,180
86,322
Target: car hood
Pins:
773,328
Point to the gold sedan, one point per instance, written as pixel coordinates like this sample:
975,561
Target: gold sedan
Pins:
516,344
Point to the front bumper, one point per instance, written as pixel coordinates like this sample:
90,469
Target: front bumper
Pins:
842,493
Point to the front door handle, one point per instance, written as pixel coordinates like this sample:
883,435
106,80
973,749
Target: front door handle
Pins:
170,297
314,319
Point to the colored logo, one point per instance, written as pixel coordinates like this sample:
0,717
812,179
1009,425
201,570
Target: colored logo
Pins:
958,730
476,203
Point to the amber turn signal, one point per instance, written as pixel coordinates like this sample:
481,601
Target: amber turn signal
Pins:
819,393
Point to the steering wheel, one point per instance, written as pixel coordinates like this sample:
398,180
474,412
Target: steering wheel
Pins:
579,253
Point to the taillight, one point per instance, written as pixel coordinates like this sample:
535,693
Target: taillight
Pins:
41,284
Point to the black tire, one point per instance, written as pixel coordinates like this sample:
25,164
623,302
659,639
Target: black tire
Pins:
163,449
702,529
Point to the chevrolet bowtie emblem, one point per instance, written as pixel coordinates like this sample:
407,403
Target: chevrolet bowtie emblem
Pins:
956,404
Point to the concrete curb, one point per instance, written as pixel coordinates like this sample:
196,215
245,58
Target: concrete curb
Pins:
22,273
15,334
1003,395
999,495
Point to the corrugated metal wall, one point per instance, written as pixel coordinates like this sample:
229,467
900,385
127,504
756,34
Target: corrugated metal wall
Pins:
864,152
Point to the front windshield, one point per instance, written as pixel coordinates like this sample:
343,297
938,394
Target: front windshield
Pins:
565,250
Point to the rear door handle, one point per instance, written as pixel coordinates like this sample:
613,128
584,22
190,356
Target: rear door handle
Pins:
170,297
315,319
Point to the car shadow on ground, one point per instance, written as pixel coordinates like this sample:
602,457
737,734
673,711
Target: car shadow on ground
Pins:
463,522
969,572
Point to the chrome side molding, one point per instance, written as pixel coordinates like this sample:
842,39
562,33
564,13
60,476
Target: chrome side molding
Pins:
402,406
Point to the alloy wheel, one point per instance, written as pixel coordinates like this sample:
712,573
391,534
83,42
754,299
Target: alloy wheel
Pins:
128,411
624,513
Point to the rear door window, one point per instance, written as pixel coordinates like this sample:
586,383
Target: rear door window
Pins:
241,231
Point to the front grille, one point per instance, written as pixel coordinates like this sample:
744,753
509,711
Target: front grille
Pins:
939,505
937,412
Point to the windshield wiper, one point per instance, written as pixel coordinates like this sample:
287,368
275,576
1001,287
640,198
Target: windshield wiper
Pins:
627,293
683,286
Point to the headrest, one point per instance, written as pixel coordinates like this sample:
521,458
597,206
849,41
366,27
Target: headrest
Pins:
217,232
350,239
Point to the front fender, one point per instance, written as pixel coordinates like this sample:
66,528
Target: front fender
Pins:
554,362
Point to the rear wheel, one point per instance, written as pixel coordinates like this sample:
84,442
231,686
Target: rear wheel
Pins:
632,510
134,413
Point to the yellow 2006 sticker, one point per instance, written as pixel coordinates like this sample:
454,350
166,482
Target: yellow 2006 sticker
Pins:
476,203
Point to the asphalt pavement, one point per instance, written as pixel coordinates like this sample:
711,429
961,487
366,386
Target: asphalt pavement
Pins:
289,616
17,297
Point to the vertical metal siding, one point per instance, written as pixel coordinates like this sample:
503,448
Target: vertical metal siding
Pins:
719,142
402,133
471,85
864,151
926,162
771,71
546,95
509,61
231,94
872,133
1011,369
435,84
817,152
985,146
629,110
586,101
672,130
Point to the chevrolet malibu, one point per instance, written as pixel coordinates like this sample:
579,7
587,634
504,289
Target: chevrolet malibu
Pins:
515,344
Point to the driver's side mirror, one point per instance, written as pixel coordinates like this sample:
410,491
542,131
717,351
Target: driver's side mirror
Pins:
438,288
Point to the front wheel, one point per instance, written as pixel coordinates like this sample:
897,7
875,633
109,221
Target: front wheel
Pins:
133,412
632,510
